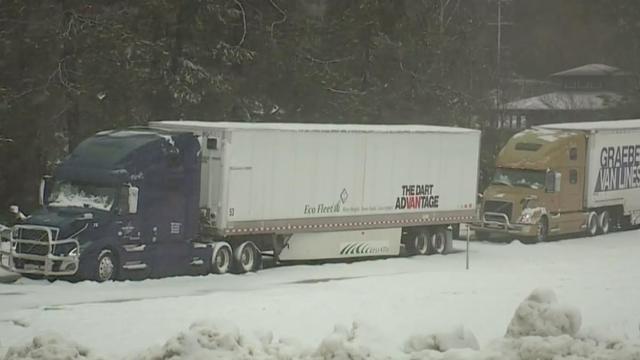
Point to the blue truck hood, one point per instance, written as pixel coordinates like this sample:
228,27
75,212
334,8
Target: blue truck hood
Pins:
69,221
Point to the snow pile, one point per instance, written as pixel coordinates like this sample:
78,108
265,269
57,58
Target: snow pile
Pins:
541,315
210,340
218,341
49,347
343,344
541,329
460,338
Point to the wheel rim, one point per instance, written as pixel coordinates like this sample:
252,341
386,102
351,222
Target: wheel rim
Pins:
420,243
105,268
221,260
593,225
247,258
438,243
605,222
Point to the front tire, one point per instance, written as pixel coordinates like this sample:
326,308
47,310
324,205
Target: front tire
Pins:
105,266
543,230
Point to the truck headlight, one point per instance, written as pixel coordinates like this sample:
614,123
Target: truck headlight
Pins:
526,218
73,252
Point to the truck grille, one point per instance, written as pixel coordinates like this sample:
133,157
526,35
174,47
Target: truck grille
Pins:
39,235
502,207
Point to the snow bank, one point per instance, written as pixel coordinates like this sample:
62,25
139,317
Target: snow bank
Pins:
541,329
460,338
541,315
221,341
49,347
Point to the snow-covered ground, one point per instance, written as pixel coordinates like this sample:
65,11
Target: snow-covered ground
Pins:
392,308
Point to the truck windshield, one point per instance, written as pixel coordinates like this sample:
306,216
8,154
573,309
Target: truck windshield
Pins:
91,196
517,177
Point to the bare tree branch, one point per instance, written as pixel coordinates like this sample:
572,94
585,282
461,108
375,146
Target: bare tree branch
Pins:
282,20
347,92
244,22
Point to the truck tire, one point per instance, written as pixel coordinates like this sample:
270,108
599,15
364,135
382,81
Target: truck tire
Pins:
604,222
438,241
543,230
418,243
221,259
246,258
592,224
106,266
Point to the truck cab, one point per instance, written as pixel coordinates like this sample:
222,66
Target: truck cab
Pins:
123,204
538,187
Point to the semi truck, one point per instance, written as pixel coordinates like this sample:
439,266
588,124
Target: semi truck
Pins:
190,197
560,179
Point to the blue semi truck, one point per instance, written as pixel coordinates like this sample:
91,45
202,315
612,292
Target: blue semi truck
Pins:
180,198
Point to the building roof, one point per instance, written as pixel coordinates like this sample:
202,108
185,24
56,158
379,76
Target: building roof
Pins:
568,100
307,127
591,70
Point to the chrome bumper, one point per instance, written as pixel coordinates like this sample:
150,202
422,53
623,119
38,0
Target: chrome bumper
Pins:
499,223
14,258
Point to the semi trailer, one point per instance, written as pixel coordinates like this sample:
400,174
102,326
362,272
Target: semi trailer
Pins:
189,197
559,179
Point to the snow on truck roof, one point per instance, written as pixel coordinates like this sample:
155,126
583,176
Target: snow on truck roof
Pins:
204,125
595,125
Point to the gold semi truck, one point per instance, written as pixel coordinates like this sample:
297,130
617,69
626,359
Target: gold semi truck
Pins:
571,178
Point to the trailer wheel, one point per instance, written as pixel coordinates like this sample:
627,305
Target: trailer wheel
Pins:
221,259
604,222
438,242
105,266
246,257
418,244
592,224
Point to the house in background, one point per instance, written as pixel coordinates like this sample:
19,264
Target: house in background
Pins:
586,93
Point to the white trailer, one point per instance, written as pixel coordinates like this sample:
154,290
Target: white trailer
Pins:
612,164
325,191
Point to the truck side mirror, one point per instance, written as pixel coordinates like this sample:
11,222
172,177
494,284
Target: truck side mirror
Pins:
133,200
550,182
44,190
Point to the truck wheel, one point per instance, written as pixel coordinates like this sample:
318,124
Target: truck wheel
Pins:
105,266
592,224
438,242
221,259
604,222
543,230
246,257
419,243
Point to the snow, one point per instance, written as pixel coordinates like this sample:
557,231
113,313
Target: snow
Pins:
540,315
204,125
73,196
565,100
595,125
399,308
592,70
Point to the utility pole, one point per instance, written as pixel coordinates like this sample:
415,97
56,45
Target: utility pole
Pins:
499,24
